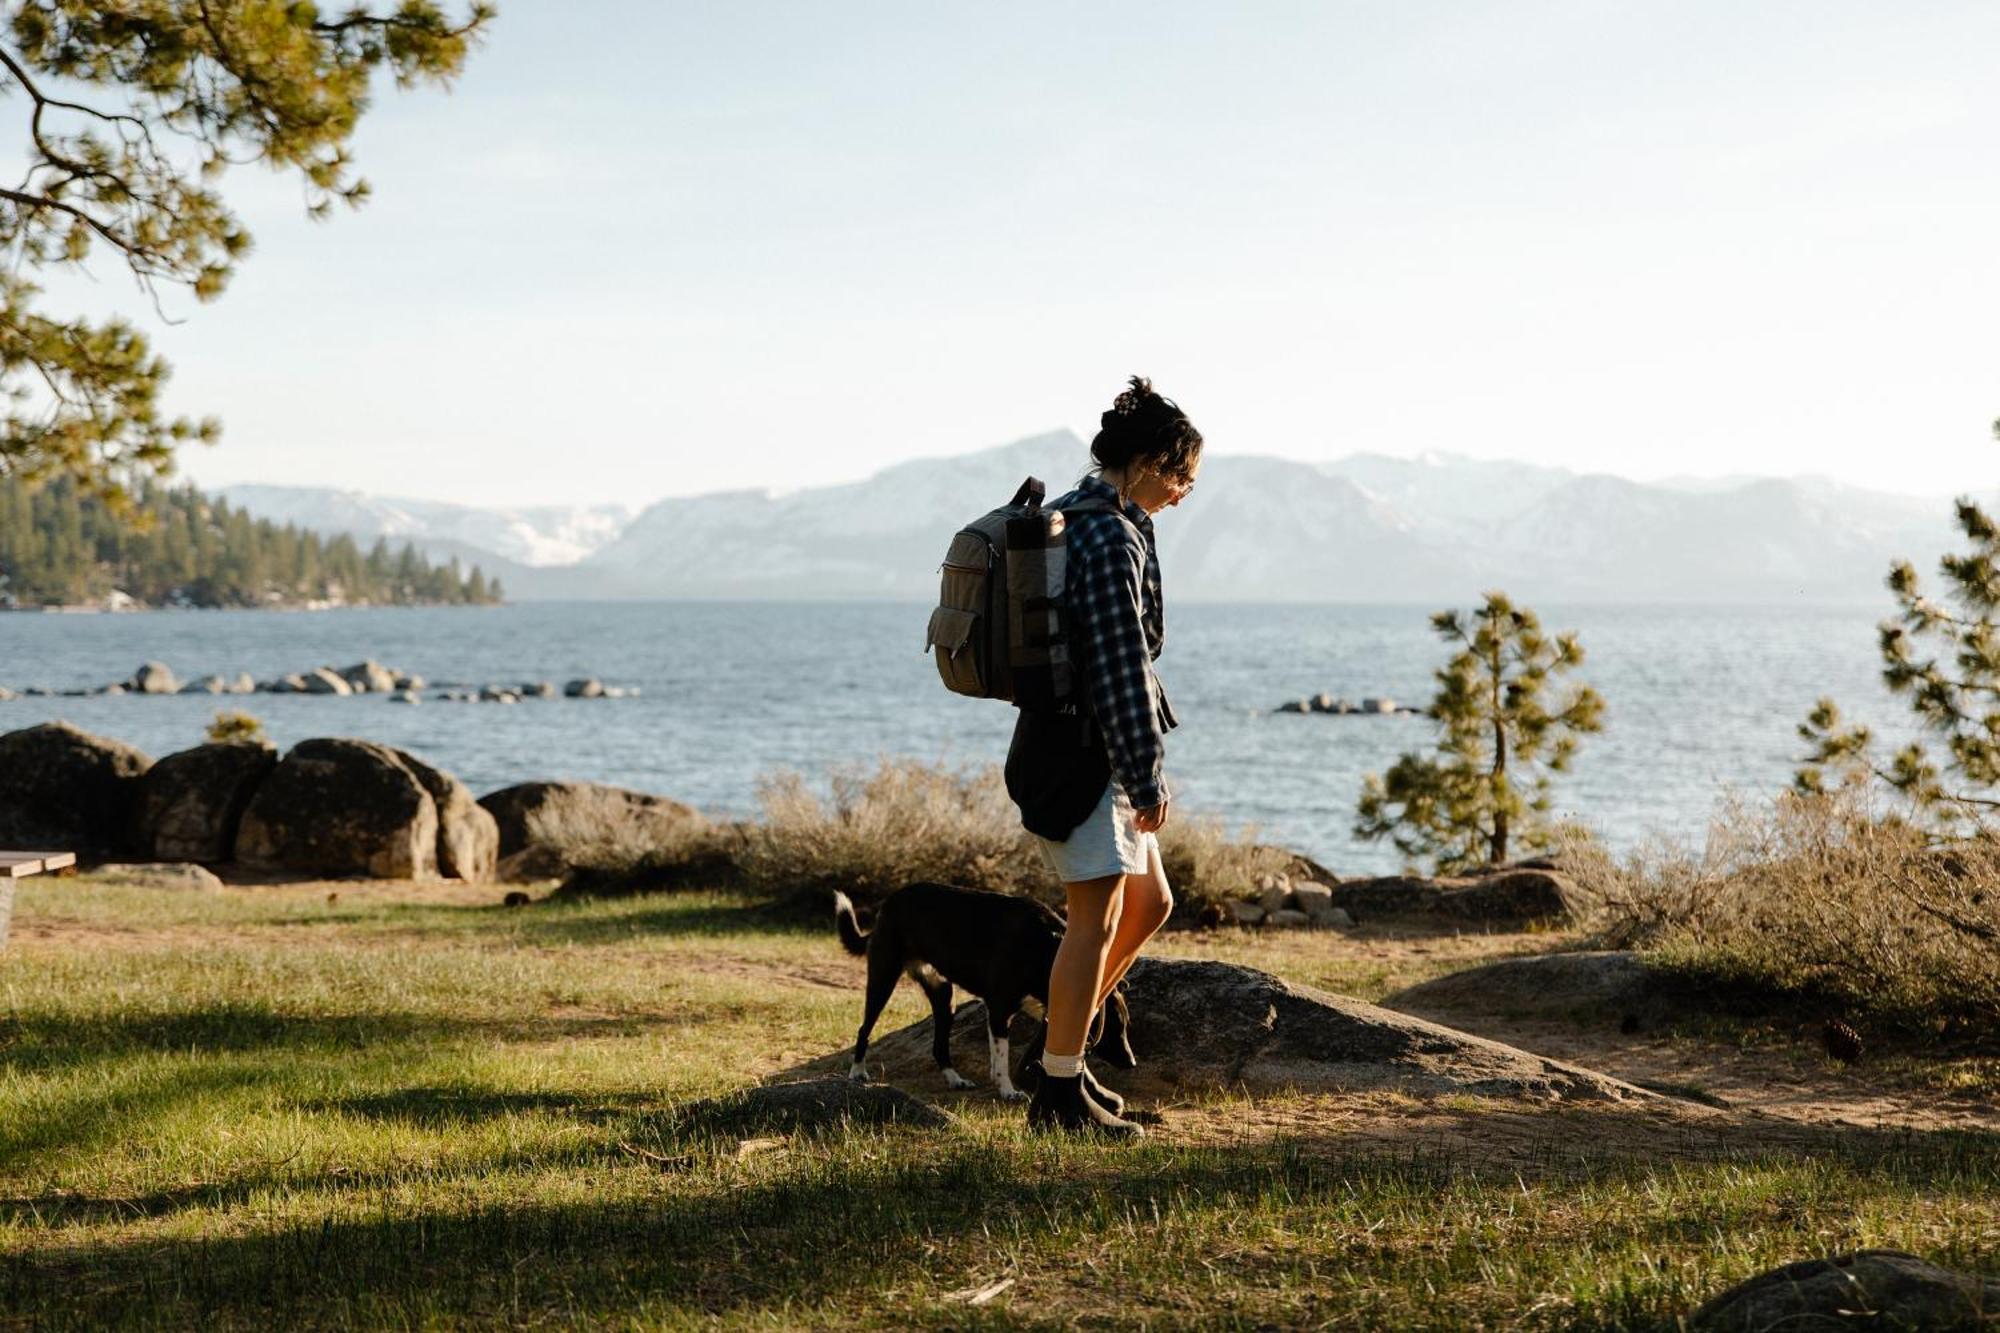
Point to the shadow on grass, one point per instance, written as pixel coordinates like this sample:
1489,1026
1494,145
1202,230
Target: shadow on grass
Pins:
438,1107
51,1041
834,1228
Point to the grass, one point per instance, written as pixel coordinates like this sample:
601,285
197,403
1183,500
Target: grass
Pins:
405,1107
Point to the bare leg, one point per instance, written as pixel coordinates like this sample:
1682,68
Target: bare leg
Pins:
1078,974
1146,902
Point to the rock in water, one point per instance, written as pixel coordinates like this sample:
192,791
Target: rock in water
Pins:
191,802
584,689
155,678
368,677
62,789
468,840
325,680
1865,1289
335,806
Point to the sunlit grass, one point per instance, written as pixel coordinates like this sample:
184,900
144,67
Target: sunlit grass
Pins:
417,1108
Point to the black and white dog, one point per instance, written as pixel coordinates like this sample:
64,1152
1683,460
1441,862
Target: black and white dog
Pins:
998,947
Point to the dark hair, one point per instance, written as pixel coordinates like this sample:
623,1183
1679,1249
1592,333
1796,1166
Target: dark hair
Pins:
1144,427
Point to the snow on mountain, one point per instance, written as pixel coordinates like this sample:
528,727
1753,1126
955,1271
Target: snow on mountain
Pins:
1435,529
539,535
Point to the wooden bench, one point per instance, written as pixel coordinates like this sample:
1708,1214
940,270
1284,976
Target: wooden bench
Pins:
17,865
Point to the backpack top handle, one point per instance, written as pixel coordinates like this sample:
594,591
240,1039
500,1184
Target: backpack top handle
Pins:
1032,493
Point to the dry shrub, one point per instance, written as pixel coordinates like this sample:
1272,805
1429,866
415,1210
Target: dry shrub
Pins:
903,821
1824,898
603,842
1207,865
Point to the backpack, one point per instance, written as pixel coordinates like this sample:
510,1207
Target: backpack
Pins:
1000,630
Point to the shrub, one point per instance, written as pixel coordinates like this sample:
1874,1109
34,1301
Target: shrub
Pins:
235,725
1819,897
1206,865
902,821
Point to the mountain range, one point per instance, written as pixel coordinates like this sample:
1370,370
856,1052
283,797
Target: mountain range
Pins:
1364,528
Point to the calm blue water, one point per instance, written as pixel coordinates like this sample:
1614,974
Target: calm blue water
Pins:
1700,698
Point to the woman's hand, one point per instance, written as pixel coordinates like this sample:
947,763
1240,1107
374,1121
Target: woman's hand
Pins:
1151,819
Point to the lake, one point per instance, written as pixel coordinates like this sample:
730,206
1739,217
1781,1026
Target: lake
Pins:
1700,699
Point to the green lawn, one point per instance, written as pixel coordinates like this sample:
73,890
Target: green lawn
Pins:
406,1108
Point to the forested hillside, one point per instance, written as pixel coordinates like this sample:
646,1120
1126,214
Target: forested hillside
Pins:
58,547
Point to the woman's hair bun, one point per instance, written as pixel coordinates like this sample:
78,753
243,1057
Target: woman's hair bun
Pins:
1142,425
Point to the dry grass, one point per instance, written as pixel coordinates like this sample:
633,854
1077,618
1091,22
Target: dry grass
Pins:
880,829
1824,898
876,830
599,841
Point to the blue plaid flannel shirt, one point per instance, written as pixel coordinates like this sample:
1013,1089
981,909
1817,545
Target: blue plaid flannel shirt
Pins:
1112,585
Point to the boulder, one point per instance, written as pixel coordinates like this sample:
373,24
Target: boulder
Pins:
155,678
325,680
1326,703
206,685
1287,916
1598,988
1378,705
584,689
241,683
335,806
1246,914
156,875
538,689
409,682
191,802
107,689
62,789
1275,897
1332,918
1312,898
1202,1025
468,839
1295,706
1865,1289
511,806
368,677
1504,897
5,694
406,697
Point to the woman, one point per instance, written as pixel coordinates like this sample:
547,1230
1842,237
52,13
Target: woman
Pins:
1089,780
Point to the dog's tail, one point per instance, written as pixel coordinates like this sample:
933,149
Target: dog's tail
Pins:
849,927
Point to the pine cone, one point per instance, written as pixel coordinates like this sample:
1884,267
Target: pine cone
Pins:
1843,1043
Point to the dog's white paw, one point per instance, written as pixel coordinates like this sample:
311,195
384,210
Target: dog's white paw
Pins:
857,1074
1013,1095
954,1079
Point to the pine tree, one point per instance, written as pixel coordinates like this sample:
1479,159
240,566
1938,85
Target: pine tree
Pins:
1485,791
1944,658
130,113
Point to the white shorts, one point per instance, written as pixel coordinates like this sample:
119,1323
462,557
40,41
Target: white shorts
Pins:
1107,843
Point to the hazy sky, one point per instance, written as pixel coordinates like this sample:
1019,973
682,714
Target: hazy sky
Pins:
649,249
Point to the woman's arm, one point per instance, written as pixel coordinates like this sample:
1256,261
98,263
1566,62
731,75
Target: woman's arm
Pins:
1107,620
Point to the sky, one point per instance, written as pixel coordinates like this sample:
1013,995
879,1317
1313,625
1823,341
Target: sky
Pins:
648,249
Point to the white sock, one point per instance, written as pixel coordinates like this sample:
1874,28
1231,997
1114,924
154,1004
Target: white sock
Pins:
1062,1066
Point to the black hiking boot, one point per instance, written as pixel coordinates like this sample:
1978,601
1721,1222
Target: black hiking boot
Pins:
1062,1104
1031,1076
